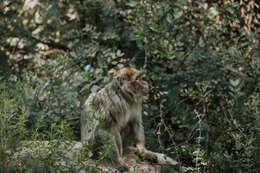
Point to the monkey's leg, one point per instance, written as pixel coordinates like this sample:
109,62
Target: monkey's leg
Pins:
118,146
87,128
119,149
126,137
84,128
118,143
103,136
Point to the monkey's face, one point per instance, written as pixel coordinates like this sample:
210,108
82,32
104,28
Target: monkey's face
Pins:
131,81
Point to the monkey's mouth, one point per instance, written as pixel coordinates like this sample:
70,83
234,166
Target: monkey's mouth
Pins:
145,97
145,91
144,87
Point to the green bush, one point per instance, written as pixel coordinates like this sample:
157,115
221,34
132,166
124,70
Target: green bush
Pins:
201,59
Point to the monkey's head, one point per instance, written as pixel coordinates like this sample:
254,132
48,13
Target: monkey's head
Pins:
131,81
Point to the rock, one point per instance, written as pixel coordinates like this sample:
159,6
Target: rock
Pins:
35,156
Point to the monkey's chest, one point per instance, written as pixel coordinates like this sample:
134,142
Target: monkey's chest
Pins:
127,117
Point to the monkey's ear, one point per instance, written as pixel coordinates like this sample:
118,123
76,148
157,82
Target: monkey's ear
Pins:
112,72
119,79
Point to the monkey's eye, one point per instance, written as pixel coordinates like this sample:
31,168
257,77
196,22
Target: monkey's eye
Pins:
127,77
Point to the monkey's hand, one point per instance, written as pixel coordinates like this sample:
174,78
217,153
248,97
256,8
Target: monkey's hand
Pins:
149,156
144,154
141,148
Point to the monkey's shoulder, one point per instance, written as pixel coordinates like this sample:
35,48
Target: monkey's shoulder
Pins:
105,100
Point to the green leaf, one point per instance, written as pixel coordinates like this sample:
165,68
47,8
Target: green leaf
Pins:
119,53
132,3
235,82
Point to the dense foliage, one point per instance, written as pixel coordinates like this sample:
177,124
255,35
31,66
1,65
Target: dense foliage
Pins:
202,59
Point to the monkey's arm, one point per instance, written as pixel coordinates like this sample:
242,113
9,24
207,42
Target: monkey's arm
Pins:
140,141
139,133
